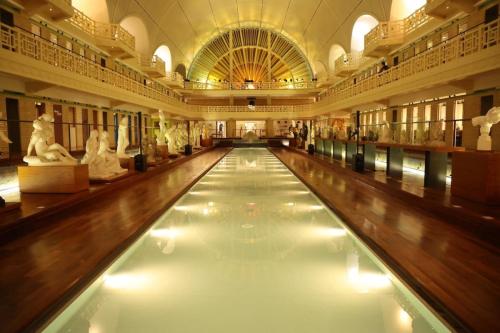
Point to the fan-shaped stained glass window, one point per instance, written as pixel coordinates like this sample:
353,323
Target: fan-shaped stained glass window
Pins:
250,55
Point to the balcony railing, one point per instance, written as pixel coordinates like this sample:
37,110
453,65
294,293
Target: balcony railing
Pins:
279,85
153,66
266,108
102,30
29,45
386,35
348,63
469,43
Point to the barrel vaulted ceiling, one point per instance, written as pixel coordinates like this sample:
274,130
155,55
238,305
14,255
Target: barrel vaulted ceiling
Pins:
186,25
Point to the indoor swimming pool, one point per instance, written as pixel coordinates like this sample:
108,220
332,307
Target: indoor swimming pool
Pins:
247,249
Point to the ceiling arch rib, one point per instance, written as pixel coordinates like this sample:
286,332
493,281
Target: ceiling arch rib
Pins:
250,54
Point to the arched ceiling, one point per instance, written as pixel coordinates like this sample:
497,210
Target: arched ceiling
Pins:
186,25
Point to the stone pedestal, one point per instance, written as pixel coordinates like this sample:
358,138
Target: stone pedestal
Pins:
53,179
162,151
476,176
206,142
127,163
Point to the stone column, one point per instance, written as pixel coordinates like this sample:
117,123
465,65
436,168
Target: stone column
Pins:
472,108
450,113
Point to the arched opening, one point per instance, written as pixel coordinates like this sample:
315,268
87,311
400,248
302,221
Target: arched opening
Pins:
163,52
404,8
136,27
95,9
363,25
336,51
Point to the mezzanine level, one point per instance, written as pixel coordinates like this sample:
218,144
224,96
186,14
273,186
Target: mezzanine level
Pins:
388,35
111,37
470,53
54,9
33,58
448,8
251,113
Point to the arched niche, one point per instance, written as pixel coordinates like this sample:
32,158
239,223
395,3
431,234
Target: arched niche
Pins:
95,9
404,8
336,51
136,27
363,25
163,52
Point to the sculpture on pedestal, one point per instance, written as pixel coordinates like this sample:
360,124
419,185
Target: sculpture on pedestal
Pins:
53,154
102,161
385,133
122,138
436,134
162,134
170,135
196,135
491,118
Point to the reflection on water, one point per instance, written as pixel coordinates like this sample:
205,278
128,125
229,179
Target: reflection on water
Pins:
248,249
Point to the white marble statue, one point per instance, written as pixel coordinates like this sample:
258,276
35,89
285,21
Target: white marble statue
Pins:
162,134
196,135
170,135
204,132
436,134
122,138
46,154
385,135
3,135
102,161
491,118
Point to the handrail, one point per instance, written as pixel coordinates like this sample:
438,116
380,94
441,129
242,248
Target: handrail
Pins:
263,108
30,45
293,85
100,29
473,41
349,61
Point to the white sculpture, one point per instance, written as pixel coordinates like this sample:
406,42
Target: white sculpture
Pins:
3,136
386,133
162,134
46,155
184,135
491,118
196,135
170,139
204,132
102,161
436,134
122,138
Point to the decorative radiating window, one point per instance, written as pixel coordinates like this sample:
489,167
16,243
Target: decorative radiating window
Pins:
250,55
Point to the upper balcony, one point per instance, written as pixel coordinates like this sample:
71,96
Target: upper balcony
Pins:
53,9
348,63
447,8
34,58
470,53
173,80
251,112
154,67
387,36
112,38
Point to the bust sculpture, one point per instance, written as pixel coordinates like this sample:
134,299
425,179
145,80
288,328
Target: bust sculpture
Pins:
46,154
161,136
122,138
102,161
485,122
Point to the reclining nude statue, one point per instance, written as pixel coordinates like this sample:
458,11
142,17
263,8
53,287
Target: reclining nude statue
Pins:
102,161
46,155
489,119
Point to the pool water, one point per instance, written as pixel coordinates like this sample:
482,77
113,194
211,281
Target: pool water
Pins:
248,249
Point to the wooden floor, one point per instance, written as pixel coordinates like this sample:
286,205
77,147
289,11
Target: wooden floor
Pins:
452,269
41,270
479,219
